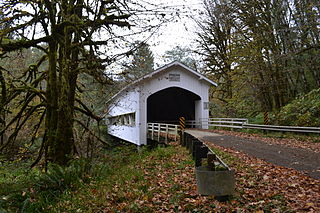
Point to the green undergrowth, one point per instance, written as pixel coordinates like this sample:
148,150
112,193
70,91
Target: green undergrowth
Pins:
117,175
32,190
15,178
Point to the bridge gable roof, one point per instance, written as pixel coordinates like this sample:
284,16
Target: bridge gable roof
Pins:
165,68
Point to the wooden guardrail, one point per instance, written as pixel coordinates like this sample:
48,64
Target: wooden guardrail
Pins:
241,123
218,122
226,122
214,178
158,131
199,150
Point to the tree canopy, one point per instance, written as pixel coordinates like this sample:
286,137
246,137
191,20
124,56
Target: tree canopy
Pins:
184,55
261,52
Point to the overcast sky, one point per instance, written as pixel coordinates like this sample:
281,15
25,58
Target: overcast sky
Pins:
178,33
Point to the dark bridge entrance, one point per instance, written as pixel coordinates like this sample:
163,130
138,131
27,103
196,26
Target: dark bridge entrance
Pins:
169,104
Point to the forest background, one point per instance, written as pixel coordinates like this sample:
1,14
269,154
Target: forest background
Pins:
57,57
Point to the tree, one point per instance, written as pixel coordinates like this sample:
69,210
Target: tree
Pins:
183,55
13,62
214,44
142,62
66,33
263,51
2,103
272,45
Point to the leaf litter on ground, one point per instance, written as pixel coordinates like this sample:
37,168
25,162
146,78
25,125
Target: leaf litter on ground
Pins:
163,180
295,142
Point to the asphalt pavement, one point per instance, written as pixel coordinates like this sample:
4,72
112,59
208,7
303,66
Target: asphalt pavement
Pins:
300,159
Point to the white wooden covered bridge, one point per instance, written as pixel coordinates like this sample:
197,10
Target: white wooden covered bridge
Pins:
162,96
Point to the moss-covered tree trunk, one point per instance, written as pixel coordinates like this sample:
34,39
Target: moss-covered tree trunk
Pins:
60,111
52,103
61,92
2,104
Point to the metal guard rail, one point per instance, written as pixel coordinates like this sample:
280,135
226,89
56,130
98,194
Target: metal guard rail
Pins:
283,128
243,123
158,130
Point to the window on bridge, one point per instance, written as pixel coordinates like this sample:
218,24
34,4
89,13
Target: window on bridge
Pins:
169,104
123,120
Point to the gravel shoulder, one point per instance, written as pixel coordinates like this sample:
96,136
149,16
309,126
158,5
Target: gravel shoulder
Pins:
300,159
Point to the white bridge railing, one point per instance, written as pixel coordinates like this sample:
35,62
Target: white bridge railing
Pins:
218,122
158,131
243,123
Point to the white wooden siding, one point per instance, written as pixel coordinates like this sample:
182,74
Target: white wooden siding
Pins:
126,103
160,82
133,99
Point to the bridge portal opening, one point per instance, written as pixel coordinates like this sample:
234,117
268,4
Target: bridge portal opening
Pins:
167,105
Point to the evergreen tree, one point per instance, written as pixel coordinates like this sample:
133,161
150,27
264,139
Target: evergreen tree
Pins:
142,62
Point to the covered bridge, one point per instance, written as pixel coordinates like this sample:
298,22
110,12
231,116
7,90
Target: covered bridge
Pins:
161,96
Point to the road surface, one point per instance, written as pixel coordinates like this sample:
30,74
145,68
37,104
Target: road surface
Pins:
296,158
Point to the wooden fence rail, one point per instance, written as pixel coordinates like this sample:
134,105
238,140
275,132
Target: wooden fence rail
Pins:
158,131
218,122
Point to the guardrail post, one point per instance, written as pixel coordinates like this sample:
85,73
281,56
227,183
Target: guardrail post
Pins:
266,118
185,138
189,142
193,141
211,158
195,144
167,133
176,133
232,124
152,131
159,130
201,152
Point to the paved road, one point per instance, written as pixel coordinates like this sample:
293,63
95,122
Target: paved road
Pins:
296,158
